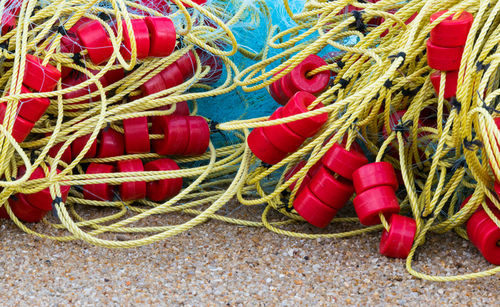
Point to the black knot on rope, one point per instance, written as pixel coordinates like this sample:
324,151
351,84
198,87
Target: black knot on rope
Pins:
58,200
213,129
77,59
344,82
265,165
459,163
104,16
388,83
481,66
213,126
410,93
285,193
472,145
284,206
455,104
4,45
288,208
398,55
180,40
340,64
62,30
403,126
359,23
490,109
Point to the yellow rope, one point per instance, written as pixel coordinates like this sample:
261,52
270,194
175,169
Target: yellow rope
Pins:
440,163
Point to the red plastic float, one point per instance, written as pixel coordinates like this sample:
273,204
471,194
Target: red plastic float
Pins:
21,128
66,156
276,93
74,80
444,58
187,64
294,170
136,135
298,104
153,85
343,162
163,189
112,144
42,199
199,136
334,192
32,108
297,79
484,233
78,145
181,108
281,136
486,236
39,77
451,32
141,35
176,134
24,211
398,241
286,92
95,39
113,76
9,22
135,189
99,191
172,76
162,36
450,87
370,203
262,147
313,210
373,175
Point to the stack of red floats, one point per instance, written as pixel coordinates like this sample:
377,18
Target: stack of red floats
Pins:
273,143
330,188
183,134
329,185
483,232
32,207
297,80
445,47
37,78
154,36
128,191
375,185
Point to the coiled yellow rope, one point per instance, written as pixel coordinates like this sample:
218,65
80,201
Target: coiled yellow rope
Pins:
437,168
433,183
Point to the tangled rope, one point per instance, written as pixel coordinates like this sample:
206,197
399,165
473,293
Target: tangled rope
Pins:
380,99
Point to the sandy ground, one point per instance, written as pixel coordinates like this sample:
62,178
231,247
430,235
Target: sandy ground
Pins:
225,265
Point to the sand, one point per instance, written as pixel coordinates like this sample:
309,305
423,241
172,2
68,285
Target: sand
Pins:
226,265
